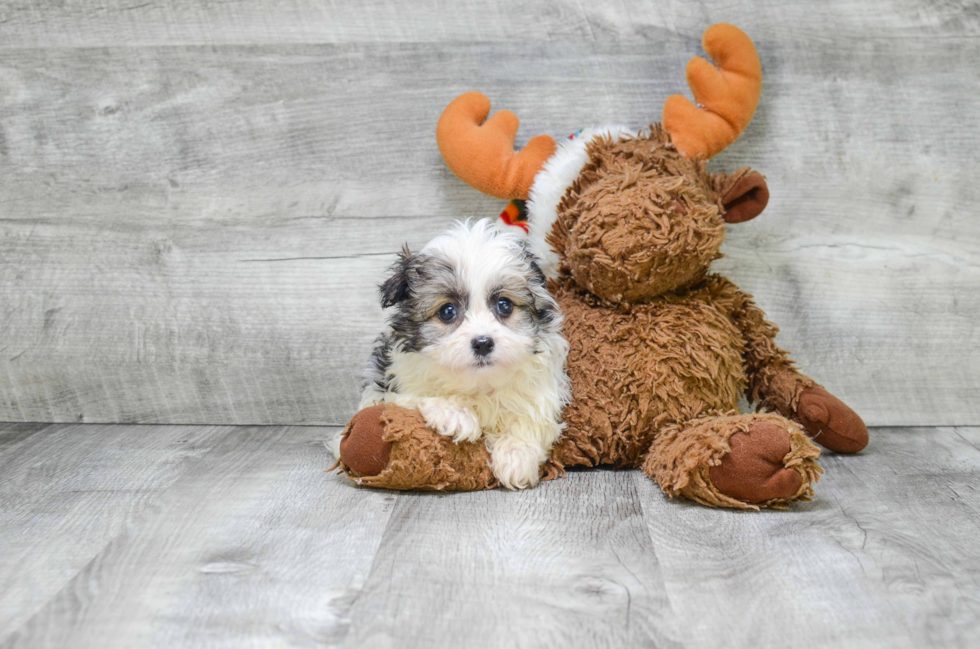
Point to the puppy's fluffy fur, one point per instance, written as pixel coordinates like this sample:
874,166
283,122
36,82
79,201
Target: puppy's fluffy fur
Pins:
468,285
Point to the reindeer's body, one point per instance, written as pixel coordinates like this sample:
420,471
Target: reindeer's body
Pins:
660,348
667,361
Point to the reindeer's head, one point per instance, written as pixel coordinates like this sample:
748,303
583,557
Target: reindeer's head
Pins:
627,216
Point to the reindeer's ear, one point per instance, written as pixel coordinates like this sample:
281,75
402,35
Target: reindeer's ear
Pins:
744,195
396,288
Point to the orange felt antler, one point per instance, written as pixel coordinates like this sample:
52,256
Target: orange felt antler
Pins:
728,94
482,154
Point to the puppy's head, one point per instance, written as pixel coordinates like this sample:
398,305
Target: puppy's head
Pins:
473,301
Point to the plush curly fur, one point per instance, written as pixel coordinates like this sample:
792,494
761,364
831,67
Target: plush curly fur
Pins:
639,220
660,350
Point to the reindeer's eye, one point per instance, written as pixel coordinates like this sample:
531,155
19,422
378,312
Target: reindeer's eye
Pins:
447,313
504,307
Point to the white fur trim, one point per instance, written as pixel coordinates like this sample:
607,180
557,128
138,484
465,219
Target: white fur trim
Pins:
550,185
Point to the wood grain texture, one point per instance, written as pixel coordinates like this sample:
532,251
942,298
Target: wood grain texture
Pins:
67,491
253,545
568,564
13,435
885,556
108,23
192,234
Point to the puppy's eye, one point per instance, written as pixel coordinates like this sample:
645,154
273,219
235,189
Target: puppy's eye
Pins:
447,313
505,307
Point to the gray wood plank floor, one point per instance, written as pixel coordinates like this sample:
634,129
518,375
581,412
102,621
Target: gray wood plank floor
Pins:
139,536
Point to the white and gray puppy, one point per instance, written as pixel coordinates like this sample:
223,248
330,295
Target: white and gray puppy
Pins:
474,343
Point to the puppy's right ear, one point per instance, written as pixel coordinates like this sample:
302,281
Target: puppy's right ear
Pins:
396,288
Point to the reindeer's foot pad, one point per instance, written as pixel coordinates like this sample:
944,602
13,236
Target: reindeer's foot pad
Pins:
739,461
754,470
363,449
830,422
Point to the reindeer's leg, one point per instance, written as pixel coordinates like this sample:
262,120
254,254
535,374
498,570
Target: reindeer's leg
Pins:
775,384
391,447
738,461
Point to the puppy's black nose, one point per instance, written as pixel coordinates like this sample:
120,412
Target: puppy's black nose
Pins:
483,345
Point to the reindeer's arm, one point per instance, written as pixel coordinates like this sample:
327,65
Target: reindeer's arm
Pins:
776,384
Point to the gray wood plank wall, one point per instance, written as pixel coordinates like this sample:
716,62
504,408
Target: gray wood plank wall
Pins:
198,198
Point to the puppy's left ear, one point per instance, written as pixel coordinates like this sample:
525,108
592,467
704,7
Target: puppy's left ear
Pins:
396,288
543,303
537,275
744,194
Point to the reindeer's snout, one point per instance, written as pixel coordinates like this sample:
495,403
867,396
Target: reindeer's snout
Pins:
646,221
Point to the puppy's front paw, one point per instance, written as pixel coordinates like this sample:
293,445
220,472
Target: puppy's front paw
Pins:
333,445
516,465
451,420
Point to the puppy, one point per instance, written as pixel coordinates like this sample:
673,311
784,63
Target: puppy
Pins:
474,343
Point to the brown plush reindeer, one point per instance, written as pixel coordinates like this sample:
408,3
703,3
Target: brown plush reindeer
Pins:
627,226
